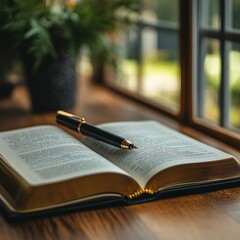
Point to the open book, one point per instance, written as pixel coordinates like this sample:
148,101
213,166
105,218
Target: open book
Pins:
43,167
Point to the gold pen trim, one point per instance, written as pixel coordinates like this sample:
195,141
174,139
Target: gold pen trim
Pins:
125,144
81,120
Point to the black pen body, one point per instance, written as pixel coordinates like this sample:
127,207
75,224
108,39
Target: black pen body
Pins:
101,135
90,130
68,122
80,125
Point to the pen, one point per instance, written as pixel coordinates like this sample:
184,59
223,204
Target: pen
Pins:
80,125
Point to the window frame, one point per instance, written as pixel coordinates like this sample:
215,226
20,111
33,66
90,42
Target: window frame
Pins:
219,132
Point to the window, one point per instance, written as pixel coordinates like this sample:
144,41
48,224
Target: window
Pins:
150,66
217,57
183,57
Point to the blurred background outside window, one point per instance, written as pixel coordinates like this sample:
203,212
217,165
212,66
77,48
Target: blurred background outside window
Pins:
149,66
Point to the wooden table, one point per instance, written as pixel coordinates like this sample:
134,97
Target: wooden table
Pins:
212,215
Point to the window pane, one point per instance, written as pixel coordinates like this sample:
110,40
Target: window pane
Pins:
210,13
166,10
235,14
211,79
127,72
216,63
234,71
149,66
161,73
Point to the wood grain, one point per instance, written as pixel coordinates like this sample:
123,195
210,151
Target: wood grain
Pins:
209,215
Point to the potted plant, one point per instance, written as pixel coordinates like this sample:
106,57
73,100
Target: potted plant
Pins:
48,35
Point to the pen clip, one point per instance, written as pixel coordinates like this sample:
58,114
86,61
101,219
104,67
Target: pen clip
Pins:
69,115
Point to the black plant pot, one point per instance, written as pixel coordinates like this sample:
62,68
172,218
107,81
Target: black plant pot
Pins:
53,85
6,89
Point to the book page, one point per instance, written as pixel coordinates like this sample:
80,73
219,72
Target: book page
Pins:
159,147
46,154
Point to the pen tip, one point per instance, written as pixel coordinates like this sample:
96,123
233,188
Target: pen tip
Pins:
132,146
